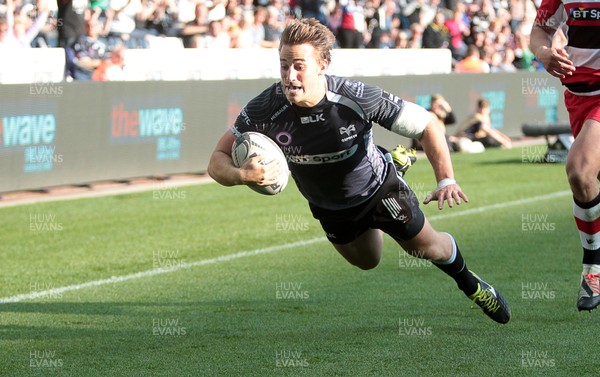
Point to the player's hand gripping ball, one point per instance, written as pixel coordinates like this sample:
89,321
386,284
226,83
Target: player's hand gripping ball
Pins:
252,144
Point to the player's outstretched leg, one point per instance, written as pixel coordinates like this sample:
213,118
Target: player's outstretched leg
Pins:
403,158
442,249
493,304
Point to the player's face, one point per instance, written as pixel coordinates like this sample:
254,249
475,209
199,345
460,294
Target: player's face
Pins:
302,75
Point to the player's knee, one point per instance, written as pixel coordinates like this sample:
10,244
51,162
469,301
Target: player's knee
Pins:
367,264
579,177
366,261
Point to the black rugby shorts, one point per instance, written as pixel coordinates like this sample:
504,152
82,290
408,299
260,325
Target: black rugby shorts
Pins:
394,209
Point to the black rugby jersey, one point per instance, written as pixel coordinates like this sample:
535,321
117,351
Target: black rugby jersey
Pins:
329,147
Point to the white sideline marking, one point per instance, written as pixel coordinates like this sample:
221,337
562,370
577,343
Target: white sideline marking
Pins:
156,271
225,258
499,205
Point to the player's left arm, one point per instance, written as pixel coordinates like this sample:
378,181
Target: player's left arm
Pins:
417,123
435,147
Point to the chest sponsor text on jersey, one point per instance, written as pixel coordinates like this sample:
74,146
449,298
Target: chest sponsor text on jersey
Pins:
324,158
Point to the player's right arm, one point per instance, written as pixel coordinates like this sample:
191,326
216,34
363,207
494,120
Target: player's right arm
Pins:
222,169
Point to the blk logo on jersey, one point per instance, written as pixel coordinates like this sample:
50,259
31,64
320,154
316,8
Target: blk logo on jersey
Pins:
312,119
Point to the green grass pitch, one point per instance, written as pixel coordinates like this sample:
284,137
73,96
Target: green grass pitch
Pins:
214,281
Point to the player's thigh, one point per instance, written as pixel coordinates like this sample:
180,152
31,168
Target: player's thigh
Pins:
584,155
364,251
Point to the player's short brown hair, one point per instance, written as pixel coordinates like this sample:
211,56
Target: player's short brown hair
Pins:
309,30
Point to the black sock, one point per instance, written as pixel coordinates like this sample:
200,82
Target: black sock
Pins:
457,269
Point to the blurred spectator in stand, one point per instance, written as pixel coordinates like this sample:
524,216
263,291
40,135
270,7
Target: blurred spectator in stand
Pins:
4,39
313,9
89,51
186,12
384,40
421,11
350,33
382,18
217,37
503,61
481,13
416,35
98,9
273,28
241,36
472,63
122,18
411,11
401,40
234,15
111,69
258,26
478,127
524,58
517,13
334,19
197,27
71,19
163,19
436,35
528,19
458,30
477,38
20,31
216,9
247,7
508,58
495,61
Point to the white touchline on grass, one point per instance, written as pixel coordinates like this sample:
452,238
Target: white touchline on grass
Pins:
156,271
242,254
499,205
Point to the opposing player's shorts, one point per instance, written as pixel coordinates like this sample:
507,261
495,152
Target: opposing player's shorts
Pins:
394,209
581,108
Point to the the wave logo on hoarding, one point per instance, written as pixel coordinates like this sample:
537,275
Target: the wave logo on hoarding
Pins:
163,124
34,134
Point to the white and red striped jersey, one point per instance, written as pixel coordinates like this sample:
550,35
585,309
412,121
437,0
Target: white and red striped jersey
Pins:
580,21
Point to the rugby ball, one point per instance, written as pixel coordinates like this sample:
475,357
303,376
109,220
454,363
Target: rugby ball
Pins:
251,144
